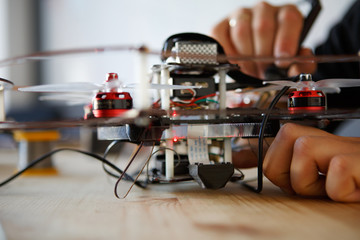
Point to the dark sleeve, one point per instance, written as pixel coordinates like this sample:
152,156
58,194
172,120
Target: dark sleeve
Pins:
344,38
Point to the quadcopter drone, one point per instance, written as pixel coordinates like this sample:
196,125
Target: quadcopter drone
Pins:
188,120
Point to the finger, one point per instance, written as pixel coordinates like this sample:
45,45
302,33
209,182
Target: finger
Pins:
264,28
312,155
296,69
290,24
343,179
246,158
221,33
278,158
245,152
241,32
241,37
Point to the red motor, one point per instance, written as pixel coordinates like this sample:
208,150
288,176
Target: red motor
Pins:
111,104
307,100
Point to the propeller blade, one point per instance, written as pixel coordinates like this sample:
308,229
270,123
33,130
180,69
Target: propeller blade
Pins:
260,89
329,89
71,99
283,83
337,83
174,87
164,86
64,87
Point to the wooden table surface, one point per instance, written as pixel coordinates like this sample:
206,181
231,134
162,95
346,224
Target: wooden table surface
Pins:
79,204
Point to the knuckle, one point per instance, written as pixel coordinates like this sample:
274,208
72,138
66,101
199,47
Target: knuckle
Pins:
291,14
242,28
338,171
287,131
338,164
264,26
303,144
262,5
263,22
243,16
243,12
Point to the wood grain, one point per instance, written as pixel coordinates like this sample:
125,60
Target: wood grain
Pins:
79,204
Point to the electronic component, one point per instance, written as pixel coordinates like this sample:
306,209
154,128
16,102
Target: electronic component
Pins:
207,86
306,100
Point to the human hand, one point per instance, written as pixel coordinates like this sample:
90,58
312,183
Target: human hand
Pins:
311,162
245,151
264,30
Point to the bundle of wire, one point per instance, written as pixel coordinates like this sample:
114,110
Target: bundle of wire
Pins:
119,172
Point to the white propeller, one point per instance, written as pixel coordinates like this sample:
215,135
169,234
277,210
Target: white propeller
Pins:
82,87
332,85
68,98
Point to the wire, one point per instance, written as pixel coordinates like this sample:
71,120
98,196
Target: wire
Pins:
193,92
206,100
127,176
261,138
193,102
49,154
127,167
107,150
206,96
166,148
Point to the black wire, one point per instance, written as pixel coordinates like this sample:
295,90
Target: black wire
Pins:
43,157
97,157
107,150
126,176
166,148
126,168
261,138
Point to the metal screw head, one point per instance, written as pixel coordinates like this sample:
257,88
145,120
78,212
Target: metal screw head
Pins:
305,77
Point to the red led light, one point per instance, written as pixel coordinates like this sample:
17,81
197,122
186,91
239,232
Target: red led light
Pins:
175,139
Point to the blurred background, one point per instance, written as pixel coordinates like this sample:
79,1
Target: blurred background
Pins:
28,26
